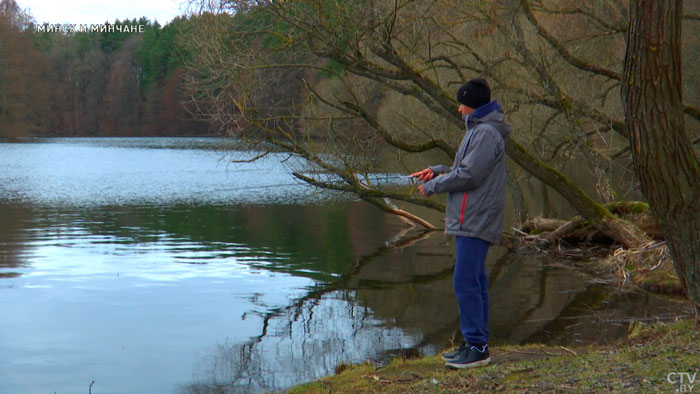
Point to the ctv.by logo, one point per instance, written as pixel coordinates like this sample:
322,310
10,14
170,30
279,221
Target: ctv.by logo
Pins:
684,380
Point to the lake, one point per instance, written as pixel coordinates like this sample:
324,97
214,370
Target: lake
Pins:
158,265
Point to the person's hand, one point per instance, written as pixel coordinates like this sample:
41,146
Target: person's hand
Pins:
422,191
424,175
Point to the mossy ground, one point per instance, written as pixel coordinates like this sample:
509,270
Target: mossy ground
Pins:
639,363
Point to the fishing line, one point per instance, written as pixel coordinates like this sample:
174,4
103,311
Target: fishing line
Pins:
257,187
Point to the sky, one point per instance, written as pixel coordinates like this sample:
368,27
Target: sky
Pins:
99,11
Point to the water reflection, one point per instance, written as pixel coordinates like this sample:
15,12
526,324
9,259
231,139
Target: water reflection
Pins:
325,330
221,293
136,279
11,246
400,298
96,294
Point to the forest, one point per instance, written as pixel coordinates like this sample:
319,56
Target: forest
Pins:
109,83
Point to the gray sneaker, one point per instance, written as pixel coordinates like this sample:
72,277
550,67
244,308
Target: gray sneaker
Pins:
455,354
472,358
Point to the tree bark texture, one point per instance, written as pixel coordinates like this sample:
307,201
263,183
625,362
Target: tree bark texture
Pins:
664,158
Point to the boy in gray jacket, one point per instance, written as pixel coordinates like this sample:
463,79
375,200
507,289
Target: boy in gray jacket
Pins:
475,187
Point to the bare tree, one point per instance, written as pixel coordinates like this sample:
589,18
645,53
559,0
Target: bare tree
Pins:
353,76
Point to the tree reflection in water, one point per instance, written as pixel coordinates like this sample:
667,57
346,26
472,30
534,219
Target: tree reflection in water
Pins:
400,298
299,344
307,339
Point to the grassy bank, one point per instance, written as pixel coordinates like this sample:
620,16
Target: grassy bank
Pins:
640,363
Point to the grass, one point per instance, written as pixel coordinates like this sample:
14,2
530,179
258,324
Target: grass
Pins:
639,363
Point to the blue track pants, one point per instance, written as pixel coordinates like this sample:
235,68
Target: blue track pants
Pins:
471,285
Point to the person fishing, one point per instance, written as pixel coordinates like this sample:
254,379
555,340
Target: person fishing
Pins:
475,187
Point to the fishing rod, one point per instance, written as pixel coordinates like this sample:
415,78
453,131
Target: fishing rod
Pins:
370,178
389,177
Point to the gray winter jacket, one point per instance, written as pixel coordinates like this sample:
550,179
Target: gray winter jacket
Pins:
476,181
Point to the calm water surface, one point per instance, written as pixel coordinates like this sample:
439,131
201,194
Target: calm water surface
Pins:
158,266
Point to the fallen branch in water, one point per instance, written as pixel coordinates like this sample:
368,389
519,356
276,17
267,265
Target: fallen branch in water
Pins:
548,231
648,265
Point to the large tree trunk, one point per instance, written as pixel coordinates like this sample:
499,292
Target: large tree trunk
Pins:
663,154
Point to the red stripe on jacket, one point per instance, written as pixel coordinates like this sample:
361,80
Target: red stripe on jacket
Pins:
464,204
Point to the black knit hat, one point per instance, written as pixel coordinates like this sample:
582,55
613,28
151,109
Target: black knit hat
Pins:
474,93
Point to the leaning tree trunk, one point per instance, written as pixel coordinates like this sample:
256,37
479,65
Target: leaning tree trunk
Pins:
600,217
664,158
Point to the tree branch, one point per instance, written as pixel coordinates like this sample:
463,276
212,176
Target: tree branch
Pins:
370,197
562,51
